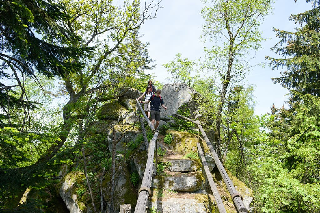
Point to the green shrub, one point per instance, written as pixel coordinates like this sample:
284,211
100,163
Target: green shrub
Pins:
168,139
163,129
161,152
134,177
181,124
161,166
192,155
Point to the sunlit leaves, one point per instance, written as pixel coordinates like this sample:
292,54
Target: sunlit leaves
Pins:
288,158
182,70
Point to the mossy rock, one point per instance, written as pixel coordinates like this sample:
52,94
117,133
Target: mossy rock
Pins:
124,193
47,197
126,128
111,111
74,188
184,142
100,127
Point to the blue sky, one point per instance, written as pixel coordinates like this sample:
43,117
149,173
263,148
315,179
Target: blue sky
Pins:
178,27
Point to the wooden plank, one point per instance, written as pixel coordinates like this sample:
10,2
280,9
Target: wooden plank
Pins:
212,184
125,208
144,115
234,194
144,191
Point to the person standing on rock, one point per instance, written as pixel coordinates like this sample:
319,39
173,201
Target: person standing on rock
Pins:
148,93
151,85
155,102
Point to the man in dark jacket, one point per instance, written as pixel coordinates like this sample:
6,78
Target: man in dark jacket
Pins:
155,102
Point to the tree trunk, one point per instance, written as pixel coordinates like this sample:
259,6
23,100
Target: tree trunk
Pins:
225,85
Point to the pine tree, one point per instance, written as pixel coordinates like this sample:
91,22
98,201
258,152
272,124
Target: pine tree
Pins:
300,51
32,38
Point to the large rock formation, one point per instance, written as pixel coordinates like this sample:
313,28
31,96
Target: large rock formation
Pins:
174,96
181,187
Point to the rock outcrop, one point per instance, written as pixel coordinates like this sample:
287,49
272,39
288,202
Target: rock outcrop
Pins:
179,184
68,192
174,96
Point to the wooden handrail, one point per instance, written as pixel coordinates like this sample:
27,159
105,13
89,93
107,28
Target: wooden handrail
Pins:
145,191
232,190
145,116
212,184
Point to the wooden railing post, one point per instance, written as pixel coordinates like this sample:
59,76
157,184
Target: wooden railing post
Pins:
125,208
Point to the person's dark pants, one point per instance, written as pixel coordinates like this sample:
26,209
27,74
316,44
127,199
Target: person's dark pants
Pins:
155,115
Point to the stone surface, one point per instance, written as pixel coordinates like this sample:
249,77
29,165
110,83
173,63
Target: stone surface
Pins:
123,190
128,93
180,205
112,110
174,96
161,123
130,135
247,200
181,165
67,192
179,182
140,161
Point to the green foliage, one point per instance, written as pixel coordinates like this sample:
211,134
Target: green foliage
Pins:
133,145
161,152
181,70
163,129
192,155
300,53
284,163
182,124
233,26
149,134
80,190
32,39
51,39
134,178
161,166
153,210
168,139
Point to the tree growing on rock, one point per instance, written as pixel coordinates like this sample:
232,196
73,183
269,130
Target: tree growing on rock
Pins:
116,60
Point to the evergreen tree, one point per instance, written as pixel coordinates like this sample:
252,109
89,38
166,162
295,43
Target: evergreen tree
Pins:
285,160
32,40
300,51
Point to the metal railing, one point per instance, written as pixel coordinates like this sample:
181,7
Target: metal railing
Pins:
237,200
